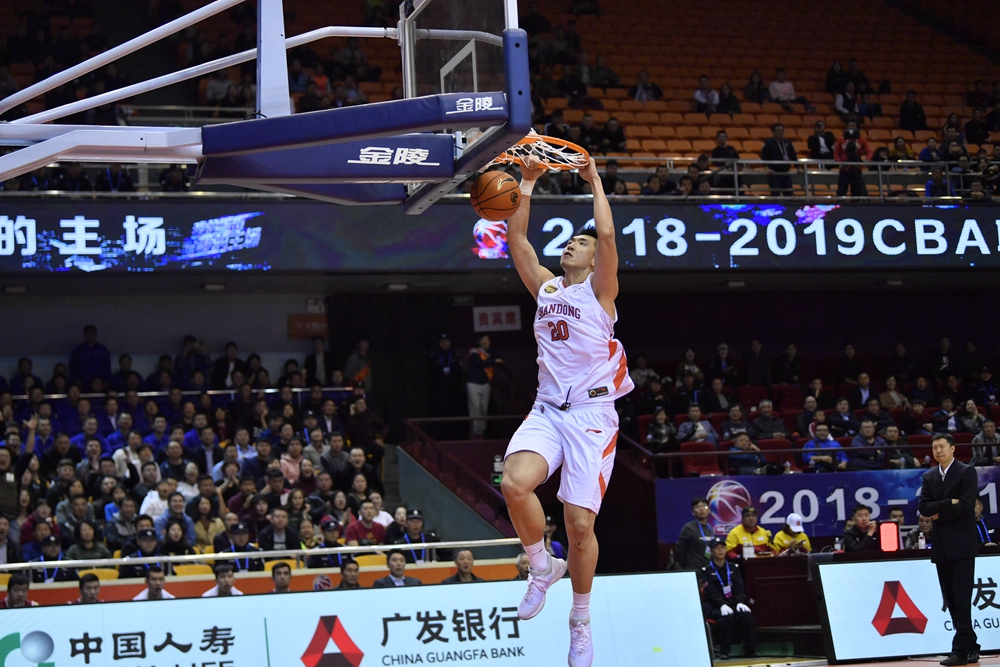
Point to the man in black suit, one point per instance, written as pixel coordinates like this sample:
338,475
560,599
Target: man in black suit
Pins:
776,149
397,573
948,497
319,365
223,369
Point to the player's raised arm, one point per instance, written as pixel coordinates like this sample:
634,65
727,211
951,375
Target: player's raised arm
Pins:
533,274
606,260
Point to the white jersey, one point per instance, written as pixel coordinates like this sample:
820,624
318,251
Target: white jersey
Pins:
579,360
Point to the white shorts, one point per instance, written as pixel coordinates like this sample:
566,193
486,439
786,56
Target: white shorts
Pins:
581,440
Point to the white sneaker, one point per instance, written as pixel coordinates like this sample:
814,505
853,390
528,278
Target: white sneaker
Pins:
538,584
581,647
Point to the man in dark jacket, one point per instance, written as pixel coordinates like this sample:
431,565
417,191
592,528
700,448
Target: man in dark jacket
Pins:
478,376
911,113
725,601
397,572
861,536
319,365
368,431
777,148
948,496
692,551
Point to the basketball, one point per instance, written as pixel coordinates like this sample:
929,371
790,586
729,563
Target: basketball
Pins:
495,195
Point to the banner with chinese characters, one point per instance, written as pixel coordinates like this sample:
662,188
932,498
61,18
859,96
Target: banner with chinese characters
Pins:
823,500
199,234
889,609
651,619
496,318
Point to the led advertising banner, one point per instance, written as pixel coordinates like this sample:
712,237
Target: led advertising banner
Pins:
195,234
652,619
823,500
889,609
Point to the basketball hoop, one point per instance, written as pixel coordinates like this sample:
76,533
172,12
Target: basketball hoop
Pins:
554,153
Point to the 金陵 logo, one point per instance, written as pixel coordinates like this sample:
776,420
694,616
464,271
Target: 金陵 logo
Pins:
35,647
914,621
331,646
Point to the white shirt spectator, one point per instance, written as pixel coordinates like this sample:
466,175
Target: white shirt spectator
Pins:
189,491
383,518
709,99
153,505
213,592
144,595
782,91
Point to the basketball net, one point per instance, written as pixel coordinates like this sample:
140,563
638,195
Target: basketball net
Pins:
553,153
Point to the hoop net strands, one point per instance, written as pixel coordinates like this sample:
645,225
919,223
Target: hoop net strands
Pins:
554,153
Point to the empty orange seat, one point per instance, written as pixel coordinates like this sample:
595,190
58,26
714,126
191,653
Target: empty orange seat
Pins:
737,132
761,132
638,132
703,145
679,106
791,120
647,118
663,132
630,105
883,121
654,145
879,135
656,105
617,93
600,117
767,119
688,132
720,119
679,145
671,118
572,116
745,119
695,119
632,145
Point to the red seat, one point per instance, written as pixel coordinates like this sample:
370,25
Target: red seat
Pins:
716,418
699,465
778,443
750,397
790,416
921,451
644,422
680,418
786,397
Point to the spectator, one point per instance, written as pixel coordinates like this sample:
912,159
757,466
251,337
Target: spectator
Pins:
207,524
17,593
331,539
836,78
278,536
843,424
755,91
776,149
464,573
478,376
900,151
696,429
986,445
652,186
10,552
804,419
767,424
911,113
367,430
114,179
85,545
945,420
971,420
849,367
851,148
976,130
534,22
155,579
724,157
725,601
985,532
281,575
224,580
783,92
924,526
692,551
365,531
791,538
857,77
662,434
728,102
645,90
938,185
862,535
741,460
877,415
224,368
788,367
603,76
724,367
748,534
349,572
861,392
846,103
835,460
612,137
51,551
984,390
867,108
174,543
736,424
979,97
415,534
717,399
239,536
898,457
397,572
706,98
867,460
175,510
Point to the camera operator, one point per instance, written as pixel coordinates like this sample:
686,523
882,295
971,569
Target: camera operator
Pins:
851,147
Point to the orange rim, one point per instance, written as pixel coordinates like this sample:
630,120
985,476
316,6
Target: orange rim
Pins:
563,147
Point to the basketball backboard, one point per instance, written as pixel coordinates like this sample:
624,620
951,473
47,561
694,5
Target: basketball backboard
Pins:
466,99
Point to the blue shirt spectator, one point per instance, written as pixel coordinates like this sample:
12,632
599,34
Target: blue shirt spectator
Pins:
175,510
835,459
696,429
746,455
16,384
89,359
939,185
90,433
871,460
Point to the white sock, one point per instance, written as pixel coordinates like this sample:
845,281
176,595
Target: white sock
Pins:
537,556
581,606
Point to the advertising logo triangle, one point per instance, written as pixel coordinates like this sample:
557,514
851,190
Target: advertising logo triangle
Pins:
894,594
331,646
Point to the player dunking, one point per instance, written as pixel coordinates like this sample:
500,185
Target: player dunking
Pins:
573,423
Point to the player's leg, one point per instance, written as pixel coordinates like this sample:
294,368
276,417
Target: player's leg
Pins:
533,455
582,564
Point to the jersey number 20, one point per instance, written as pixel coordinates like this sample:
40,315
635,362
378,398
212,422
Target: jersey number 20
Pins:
560,330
